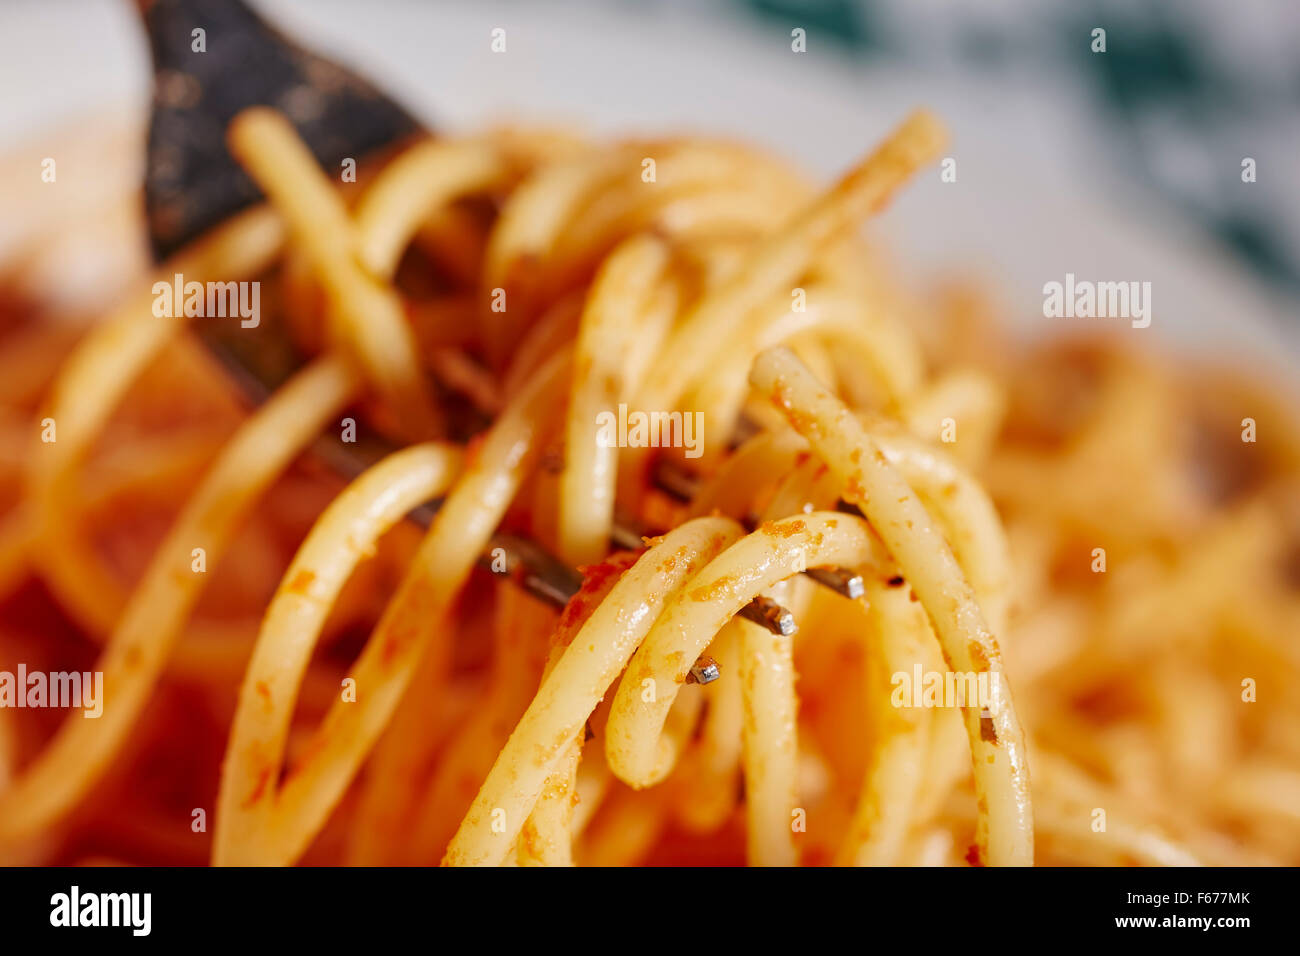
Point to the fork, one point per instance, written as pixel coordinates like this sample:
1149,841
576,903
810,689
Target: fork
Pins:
192,183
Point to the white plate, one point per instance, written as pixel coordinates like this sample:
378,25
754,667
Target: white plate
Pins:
1030,202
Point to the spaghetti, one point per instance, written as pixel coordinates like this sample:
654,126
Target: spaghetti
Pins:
387,703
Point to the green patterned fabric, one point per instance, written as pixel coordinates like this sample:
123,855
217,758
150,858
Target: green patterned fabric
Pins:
1185,89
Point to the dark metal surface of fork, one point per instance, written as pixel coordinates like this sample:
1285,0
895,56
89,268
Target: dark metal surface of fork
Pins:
191,181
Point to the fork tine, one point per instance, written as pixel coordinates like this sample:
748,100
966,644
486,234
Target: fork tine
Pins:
670,477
